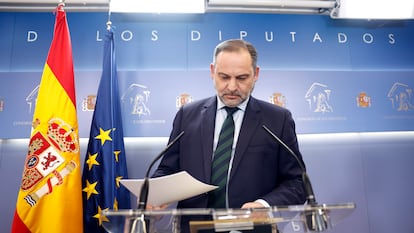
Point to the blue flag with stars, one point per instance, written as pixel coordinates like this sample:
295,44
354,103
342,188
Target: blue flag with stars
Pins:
105,161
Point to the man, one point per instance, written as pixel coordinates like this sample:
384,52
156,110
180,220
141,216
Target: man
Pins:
261,172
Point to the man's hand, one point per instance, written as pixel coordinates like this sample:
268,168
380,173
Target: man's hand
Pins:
161,207
256,214
251,205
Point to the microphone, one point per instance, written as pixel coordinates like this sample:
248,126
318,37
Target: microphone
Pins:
316,220
143,197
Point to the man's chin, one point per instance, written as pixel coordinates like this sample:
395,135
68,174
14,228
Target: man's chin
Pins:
232,102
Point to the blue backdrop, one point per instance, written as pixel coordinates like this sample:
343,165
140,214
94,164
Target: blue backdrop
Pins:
334,75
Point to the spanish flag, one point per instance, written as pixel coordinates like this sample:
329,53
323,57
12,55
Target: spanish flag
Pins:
50,196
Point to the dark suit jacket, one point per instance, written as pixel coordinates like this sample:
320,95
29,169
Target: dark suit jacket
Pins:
262,168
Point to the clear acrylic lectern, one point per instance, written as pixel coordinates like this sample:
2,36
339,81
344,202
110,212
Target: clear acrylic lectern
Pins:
306,218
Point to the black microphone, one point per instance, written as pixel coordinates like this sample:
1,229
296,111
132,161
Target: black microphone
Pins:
143,197
316,220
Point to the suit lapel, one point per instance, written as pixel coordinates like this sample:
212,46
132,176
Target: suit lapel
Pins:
250,123
208,114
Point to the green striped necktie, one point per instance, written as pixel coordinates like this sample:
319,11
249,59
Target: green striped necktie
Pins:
221,160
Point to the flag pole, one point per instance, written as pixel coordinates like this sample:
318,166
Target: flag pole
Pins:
109,23
60,6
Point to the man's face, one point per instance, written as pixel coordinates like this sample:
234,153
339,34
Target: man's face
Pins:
233,76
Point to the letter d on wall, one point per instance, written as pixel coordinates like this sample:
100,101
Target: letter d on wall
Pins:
31,36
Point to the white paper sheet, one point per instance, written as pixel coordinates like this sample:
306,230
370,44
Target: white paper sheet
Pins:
168,189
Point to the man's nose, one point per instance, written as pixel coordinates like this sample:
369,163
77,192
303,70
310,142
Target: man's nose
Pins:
232,85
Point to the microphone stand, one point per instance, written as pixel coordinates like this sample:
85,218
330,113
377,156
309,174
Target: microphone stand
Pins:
143,197
139,224
316,220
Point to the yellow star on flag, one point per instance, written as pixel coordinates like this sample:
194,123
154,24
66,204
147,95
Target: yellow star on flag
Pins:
101,218
115,204
117,181
90,189
92,160
104,135
117,152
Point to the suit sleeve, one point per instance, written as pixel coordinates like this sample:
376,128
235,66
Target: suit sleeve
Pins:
290,189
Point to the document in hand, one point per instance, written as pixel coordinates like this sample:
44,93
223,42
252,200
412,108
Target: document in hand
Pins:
169,189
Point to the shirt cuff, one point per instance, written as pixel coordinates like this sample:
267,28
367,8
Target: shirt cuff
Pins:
263,202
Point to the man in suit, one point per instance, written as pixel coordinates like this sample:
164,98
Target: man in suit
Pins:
261,172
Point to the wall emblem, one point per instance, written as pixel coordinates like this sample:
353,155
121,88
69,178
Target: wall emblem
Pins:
401,97
136,98
31,98
278,99
318,97
183,99
363,100
88,103
1,104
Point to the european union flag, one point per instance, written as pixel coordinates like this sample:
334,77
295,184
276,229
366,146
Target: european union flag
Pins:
105,161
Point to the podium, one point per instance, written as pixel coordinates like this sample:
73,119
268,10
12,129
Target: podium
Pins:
303,218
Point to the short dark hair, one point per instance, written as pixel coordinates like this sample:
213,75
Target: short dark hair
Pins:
236,45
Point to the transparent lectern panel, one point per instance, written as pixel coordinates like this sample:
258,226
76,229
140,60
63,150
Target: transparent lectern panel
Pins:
317,218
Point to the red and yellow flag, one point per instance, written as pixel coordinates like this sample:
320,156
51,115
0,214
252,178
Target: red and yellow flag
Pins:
50,196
